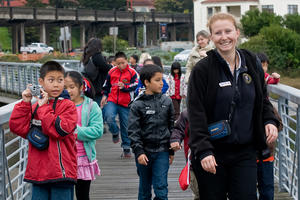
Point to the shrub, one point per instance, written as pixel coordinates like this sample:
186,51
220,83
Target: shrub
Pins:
10,58
280,44
108,44
292,22
254,20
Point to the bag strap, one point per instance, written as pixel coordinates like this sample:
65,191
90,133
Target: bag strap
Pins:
235,93
89,111
37,106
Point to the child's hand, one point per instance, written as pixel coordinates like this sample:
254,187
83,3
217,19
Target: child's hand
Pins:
44,99
103,101
175,146
26,95
275,75
171,158
143,160
203,53
121,85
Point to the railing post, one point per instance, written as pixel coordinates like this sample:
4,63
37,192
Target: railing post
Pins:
298,150
280,146
2,166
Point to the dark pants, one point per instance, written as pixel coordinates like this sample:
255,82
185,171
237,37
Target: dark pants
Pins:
235,178
53,191
156,174
82,189
265,180
176,105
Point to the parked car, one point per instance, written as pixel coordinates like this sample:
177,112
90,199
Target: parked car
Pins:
183,56
37,48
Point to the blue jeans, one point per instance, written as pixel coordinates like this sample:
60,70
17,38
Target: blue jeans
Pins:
265,180
52,192
156,174
111,111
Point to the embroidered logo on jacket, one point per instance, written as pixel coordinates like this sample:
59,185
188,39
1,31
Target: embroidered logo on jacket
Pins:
247,78
150,112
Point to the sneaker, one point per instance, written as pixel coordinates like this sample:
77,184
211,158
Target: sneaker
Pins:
116,138
126,153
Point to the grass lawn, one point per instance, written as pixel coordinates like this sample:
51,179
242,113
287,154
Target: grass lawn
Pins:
293,82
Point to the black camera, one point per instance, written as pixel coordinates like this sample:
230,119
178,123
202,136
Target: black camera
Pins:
35,90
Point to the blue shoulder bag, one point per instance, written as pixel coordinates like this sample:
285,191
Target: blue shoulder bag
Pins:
35,135
221,129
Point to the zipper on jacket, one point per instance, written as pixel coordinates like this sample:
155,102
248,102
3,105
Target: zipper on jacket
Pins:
60,161
118,88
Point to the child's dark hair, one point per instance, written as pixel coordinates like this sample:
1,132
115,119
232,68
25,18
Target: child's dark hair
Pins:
120,54
50,66
157,61
110,59
148,59
135,57
148,71
263,57
176,65
79,80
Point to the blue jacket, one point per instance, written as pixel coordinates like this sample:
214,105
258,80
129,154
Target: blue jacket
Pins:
92,127
163,90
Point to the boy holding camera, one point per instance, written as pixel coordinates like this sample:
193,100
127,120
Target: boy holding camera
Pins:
53,170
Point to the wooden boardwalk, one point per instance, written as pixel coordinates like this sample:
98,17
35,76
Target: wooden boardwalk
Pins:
119,180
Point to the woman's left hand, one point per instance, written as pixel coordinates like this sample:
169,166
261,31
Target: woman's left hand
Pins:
171,158
271,133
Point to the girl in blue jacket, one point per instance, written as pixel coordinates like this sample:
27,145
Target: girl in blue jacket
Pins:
89,129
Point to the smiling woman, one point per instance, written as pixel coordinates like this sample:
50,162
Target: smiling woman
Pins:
228,85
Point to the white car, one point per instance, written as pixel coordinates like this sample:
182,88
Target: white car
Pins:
183,56
37,48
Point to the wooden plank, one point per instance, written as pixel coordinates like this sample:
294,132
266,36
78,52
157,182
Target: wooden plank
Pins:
119,180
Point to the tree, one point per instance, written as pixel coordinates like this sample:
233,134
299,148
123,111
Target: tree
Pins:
63,3
293,22
282,45
254,20
103,4
169,5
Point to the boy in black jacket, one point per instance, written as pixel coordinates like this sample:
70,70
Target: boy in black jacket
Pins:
150,126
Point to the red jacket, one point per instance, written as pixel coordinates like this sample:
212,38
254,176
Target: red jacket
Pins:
271,80
111,89
58,162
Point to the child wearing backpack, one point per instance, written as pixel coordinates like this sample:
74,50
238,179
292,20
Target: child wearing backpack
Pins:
151,123
52,171
89,129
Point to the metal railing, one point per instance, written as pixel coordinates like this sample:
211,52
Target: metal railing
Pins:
13,150
287,162
14,77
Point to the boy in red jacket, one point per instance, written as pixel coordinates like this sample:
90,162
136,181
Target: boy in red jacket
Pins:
53,171
274,77
119,88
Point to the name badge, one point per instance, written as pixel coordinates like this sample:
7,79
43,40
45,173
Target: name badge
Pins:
37,122
225,84
150,112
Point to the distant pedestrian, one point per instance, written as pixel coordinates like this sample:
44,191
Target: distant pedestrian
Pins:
89,129
274,77
52,171
150,126
92,56
134,62
119,89
177,87
198,52
141,87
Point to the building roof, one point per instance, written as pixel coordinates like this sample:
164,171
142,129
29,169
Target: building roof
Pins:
226,1
20,3
145,3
